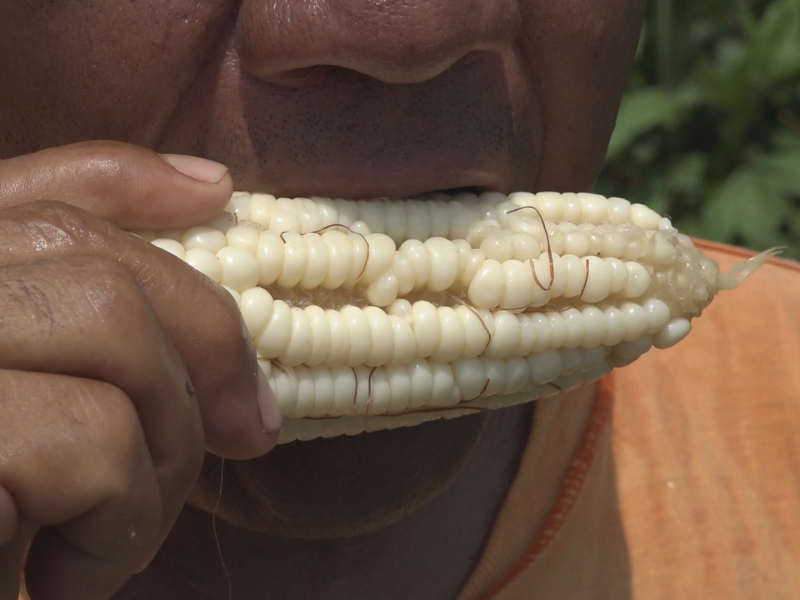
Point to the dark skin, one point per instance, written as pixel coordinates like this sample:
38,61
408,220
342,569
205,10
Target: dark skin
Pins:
343,98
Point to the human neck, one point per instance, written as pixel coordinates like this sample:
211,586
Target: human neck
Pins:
433,549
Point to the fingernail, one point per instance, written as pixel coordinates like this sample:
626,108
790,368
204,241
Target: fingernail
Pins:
270,414
197,168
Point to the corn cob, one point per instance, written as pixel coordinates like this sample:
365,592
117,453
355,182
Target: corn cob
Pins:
369,315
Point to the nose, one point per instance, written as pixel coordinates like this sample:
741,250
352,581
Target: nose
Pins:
396,41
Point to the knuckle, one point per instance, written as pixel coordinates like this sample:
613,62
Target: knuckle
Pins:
51,211
80,295
109,292
52,225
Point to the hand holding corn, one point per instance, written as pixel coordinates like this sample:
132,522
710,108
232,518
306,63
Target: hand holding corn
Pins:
107,383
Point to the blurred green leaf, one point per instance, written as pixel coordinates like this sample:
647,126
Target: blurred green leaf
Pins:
688,174
641,111
786,141
742,205
718,145
780,172
776,43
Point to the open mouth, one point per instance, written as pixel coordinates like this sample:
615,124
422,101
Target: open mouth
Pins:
377,314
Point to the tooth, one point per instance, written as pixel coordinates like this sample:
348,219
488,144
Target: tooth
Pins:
373,315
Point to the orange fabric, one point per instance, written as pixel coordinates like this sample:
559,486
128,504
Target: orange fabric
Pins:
572,485
691,489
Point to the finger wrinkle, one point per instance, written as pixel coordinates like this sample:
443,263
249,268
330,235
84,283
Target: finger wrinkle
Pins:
31,296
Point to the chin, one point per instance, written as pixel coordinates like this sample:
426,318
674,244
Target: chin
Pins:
339,487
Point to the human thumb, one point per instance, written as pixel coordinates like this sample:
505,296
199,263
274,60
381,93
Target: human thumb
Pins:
133,187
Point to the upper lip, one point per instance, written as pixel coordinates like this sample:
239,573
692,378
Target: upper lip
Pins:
356,137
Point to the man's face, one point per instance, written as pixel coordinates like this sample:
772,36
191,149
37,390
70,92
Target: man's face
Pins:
342,98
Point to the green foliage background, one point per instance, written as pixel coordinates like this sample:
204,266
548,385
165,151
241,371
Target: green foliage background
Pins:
709,129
